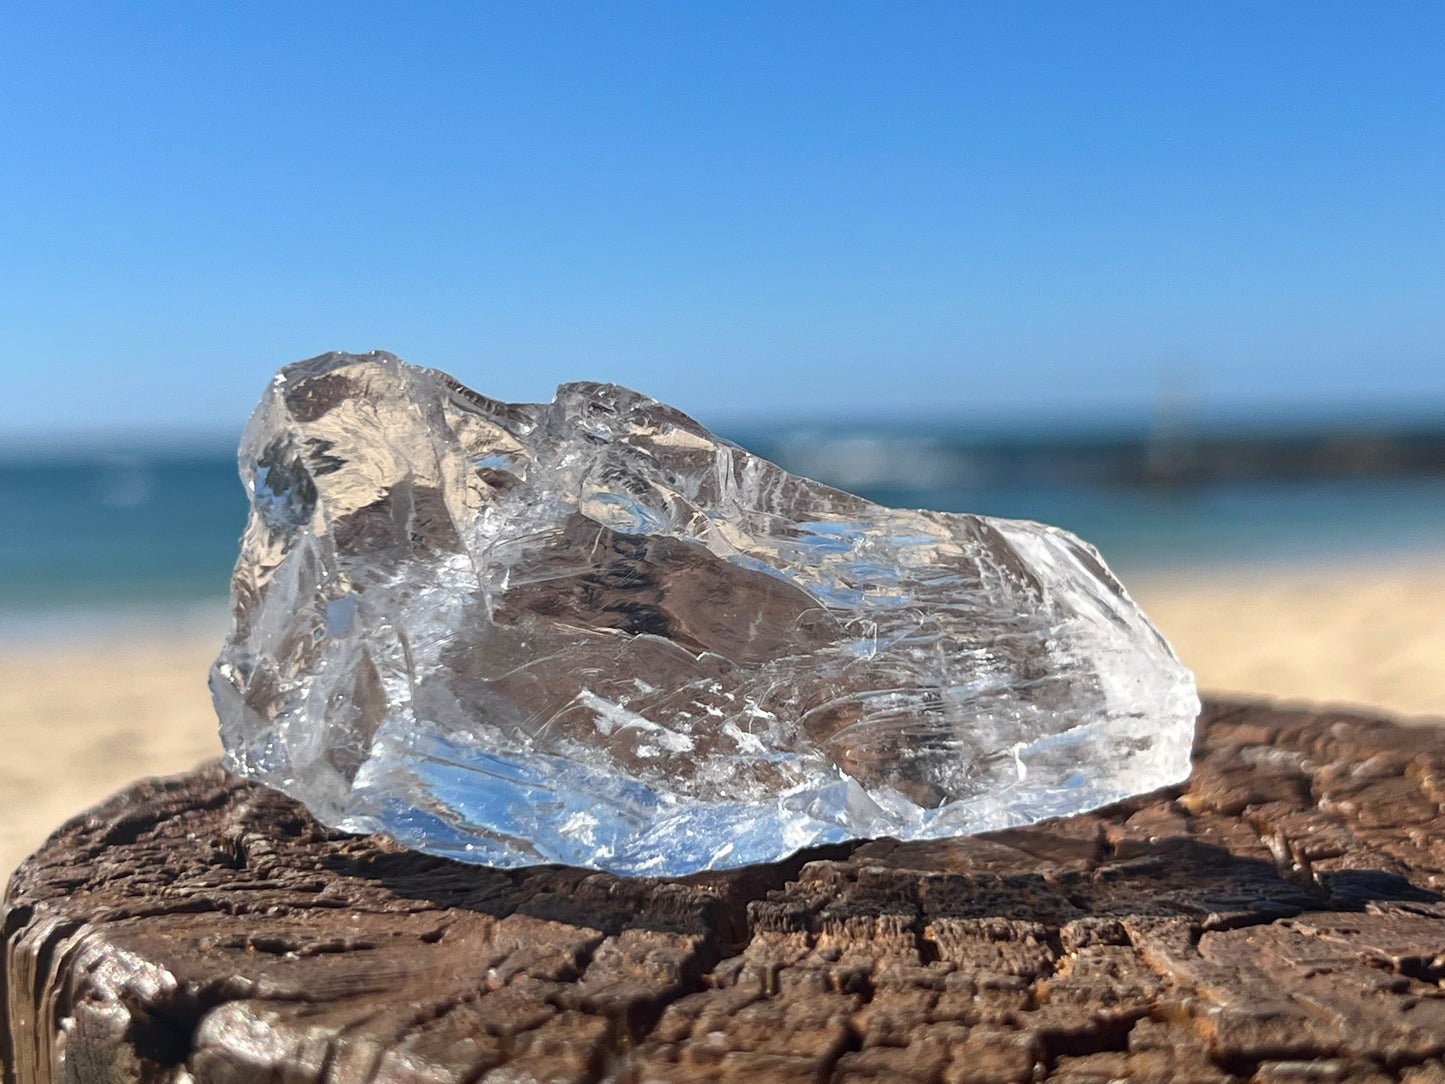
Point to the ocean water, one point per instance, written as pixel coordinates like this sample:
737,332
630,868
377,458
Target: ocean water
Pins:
120,532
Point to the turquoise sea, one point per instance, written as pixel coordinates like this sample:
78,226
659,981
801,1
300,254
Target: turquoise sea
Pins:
113,531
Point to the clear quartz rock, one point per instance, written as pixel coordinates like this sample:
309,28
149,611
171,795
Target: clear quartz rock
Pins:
591,632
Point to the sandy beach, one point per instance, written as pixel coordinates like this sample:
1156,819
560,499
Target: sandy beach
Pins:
82,715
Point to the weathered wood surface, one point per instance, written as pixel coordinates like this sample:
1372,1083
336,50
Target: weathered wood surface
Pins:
1278,919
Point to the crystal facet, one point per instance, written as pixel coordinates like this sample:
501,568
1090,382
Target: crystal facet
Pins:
591,632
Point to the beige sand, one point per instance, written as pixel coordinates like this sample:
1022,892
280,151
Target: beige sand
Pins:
1365,637
78,719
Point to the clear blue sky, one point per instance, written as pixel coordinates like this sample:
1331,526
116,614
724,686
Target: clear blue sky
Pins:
769,209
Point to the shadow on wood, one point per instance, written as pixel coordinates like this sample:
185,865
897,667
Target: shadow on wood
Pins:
1276,919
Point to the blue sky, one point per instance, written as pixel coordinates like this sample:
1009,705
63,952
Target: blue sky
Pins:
970,211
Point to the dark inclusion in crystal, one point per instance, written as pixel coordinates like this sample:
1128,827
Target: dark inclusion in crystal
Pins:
591,632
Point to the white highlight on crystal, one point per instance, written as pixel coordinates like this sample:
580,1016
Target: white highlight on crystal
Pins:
611,717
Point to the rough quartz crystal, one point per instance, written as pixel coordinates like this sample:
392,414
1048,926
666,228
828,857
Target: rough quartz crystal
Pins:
591,632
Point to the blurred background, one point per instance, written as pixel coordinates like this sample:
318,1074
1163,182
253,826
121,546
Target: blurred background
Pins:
1169,275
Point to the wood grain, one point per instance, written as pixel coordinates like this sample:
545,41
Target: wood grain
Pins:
1277,919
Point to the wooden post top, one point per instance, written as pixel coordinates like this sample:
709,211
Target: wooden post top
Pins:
1279,918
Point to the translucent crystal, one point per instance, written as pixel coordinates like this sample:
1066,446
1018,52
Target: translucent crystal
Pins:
591,632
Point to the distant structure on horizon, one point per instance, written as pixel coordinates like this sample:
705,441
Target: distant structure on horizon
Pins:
1164,456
